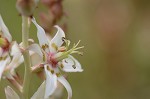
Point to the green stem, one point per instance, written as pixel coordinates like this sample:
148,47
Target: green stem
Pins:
27,75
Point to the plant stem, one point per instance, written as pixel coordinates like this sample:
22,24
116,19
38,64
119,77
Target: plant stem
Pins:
27,75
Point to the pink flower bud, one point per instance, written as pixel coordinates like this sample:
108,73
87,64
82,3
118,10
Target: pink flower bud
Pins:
26,7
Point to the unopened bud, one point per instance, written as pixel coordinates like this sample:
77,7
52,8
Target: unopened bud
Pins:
46,22
57,10
26,7
48,2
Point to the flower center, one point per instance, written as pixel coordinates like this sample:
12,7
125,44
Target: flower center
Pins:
52,60
4,44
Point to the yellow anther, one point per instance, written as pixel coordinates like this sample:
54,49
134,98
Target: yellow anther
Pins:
1,58
46,46
48,68
58,74
52,71
61,65
43,47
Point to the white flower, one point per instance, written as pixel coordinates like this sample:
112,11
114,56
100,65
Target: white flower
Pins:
5,38
8,65
56,57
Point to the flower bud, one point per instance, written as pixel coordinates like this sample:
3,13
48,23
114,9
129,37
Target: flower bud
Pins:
48,2
57,10
26,7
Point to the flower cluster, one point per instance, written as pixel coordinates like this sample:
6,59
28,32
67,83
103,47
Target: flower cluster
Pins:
55,59
10,54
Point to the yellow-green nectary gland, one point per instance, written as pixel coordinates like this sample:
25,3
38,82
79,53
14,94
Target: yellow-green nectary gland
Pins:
3,42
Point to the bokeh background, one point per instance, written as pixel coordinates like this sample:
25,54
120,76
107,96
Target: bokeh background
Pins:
116,36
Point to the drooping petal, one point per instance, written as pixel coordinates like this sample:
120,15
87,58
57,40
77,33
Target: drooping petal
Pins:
10,93
17,60
17,57
35,48
58,92
3,64
5,30
62,80
39,94
41,36
51,83
57,41
70,64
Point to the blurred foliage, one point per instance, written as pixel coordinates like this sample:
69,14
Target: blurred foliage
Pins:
116,36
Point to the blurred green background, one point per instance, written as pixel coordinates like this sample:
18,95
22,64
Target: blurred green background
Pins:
116,36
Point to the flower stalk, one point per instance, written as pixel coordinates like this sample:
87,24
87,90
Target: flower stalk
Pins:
27,62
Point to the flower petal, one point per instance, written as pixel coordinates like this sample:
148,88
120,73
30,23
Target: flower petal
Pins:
51,83
5,30
35,48
39,94
58,92
66,85
17,57
3,64
15,49
57,41
41,36
16,61
10,93
70,64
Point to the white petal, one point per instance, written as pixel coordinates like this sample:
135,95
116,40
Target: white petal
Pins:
10,93
3,64
66,85
57,40
15,49
17,60
51,83
59,91
17,57
35,48
70,64
36,59
5,30
49,38
39,94
41,34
